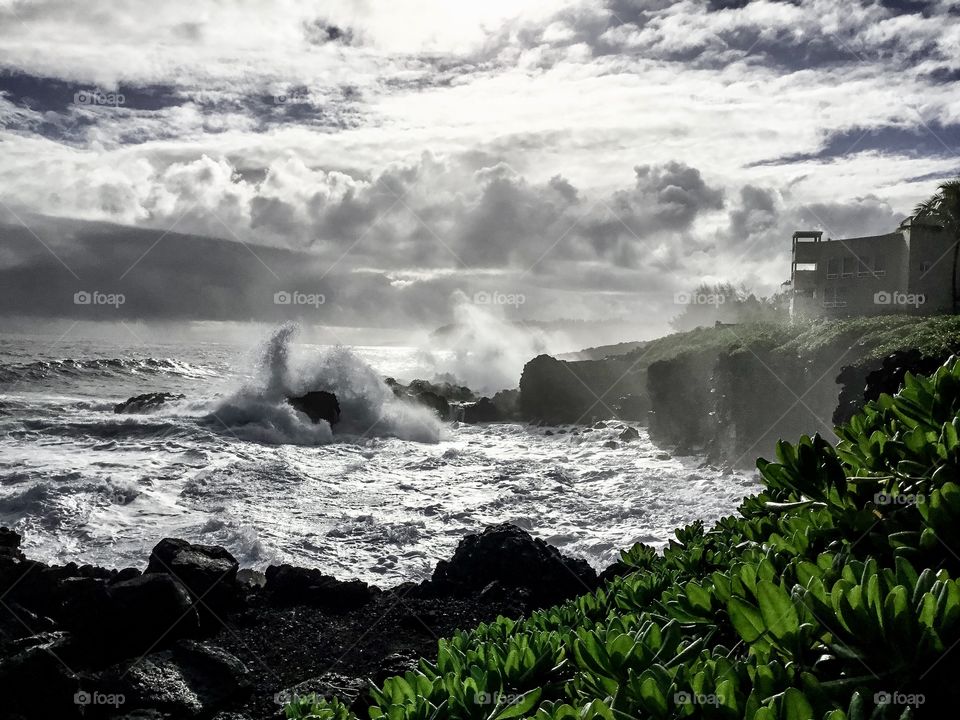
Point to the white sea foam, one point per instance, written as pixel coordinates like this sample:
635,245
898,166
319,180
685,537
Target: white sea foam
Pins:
234,464
259,410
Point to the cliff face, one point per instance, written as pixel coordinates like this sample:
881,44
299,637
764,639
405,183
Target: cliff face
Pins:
559,391
733,392
736,403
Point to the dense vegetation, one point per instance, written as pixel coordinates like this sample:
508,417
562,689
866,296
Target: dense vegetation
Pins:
831,595
875,336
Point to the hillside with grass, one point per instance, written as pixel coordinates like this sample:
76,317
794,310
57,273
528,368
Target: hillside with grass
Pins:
832,594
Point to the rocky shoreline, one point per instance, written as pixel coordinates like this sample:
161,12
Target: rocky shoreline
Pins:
193,636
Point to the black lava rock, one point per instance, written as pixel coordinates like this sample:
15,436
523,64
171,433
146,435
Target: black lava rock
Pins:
483,410
435,402
510,557
145,402
209,572
10,545
318,405
629,434
146,612
290,585
191,679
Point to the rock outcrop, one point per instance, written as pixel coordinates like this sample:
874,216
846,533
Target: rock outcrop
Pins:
208,572
290,585
559,391
145,403
481,411
318,405
443,398
506,560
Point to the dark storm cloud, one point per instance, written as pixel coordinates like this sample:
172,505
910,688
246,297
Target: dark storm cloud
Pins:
795,35
131,114
527,235
933,139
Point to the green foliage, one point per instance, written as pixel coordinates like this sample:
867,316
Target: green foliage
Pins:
831,595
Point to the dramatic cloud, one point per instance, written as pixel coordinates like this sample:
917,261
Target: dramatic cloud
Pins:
595,158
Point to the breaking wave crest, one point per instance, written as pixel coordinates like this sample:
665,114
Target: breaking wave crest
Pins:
259,410
98,367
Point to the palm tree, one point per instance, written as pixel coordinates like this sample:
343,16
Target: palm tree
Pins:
944,208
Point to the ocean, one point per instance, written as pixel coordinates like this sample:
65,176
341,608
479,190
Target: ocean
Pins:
382,499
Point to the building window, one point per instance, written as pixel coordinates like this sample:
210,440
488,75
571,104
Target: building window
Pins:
833,268
835,297
863,269
846,269
879,266
806,267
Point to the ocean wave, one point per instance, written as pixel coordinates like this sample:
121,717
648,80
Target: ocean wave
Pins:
99,367
105,429
259,410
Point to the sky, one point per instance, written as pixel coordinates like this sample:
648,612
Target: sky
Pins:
377,164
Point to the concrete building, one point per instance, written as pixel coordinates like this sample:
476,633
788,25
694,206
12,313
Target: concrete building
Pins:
906,271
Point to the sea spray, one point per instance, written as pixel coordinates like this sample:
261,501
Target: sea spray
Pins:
488,349
259,410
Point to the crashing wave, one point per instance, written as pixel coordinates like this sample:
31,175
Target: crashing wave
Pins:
259,410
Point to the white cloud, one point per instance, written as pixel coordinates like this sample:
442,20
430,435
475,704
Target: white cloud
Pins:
510,132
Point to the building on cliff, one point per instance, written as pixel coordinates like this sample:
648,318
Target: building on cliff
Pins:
907,271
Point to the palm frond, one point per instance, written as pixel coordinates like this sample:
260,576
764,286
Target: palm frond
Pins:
927,207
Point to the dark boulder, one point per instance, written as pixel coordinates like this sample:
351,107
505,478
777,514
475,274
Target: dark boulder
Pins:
510,557
327,687
435,402
447,390
566,392
308,586
318,405
629,434
191,679
10,545
209,572
34,677
146,402
483,410
147,611
507,403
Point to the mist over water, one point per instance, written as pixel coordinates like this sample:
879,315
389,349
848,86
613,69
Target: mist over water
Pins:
486,349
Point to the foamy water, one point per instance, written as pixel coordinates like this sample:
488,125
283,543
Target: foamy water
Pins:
383,498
